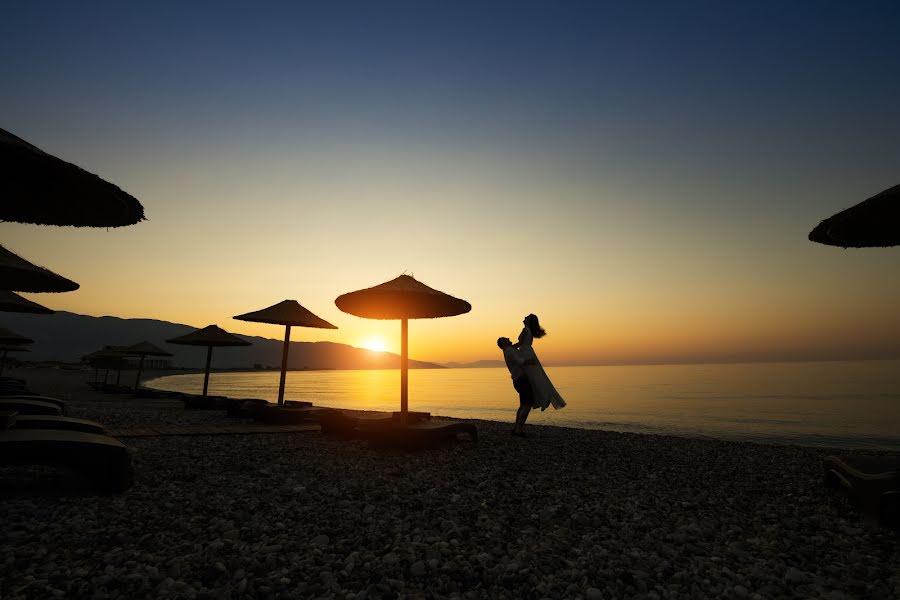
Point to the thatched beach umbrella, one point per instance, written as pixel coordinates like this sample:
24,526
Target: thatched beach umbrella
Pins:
19,275
288,313
10,302
11,337
209,336
402,298
871,223
108,357
10,348
143,350
41,189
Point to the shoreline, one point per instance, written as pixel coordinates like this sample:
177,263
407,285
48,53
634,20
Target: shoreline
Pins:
829,435
568,513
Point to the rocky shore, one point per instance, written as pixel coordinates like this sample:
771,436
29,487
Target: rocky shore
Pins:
564,513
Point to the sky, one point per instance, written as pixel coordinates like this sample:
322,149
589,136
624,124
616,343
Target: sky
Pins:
640,175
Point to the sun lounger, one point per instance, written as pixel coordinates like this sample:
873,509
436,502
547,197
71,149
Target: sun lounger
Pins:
414,435
13,389
345,424
339,422
111,388
200,402
872,484
56,422
272,414
244,408
386,430
104,460
151,393
30,407
60,403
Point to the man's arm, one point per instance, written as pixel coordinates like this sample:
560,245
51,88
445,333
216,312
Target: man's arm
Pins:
516,357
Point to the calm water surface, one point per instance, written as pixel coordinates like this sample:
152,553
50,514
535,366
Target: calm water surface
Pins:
839,404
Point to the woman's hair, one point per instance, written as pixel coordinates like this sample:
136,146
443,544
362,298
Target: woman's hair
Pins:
534,326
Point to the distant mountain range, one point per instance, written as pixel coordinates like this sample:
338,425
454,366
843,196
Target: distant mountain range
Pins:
66,337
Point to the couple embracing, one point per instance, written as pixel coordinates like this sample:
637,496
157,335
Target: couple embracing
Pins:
531,382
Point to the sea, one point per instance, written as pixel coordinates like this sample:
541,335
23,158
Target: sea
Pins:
853,404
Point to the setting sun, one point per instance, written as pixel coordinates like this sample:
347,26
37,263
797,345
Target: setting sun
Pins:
375,344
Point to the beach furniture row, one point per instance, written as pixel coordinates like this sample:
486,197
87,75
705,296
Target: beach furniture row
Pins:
36,430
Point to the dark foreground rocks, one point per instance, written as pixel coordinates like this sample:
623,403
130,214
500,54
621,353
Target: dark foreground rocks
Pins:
561,514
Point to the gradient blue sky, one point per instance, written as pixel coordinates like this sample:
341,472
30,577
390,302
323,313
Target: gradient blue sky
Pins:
642,175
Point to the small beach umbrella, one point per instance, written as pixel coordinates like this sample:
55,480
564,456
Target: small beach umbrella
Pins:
209,336
11,337
402,298
143,350
871,223
10,348
288,313
10,302
108,357
19,275
44,190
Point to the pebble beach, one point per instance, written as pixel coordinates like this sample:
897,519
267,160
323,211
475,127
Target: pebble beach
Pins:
563,513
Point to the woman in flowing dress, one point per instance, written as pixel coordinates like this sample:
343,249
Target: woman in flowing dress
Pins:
544,392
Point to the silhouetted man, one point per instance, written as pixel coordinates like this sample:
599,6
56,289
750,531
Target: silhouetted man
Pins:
515,362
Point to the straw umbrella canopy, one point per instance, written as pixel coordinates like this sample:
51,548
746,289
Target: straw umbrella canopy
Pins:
10,302
209,336
402,298
13,348
108,357
19,275
10,348
143,350
290,314
11,337
871,223
44,190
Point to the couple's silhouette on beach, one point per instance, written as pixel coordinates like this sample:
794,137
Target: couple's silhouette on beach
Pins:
529,379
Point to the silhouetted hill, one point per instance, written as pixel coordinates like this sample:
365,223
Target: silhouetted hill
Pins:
67,337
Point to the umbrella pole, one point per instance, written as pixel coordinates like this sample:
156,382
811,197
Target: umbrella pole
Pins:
284,357
206,377
137,380
404,371
118,371
105,375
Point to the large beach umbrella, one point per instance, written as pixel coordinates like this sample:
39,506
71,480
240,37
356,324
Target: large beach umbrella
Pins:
143,350
10,302
871,223
209,336
290,314
19,275
402,298
44,190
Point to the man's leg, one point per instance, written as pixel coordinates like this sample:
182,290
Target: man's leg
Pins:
526,398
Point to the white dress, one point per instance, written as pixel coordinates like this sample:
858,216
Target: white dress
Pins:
544,392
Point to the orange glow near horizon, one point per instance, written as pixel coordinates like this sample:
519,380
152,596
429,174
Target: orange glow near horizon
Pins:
374,344
613,278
